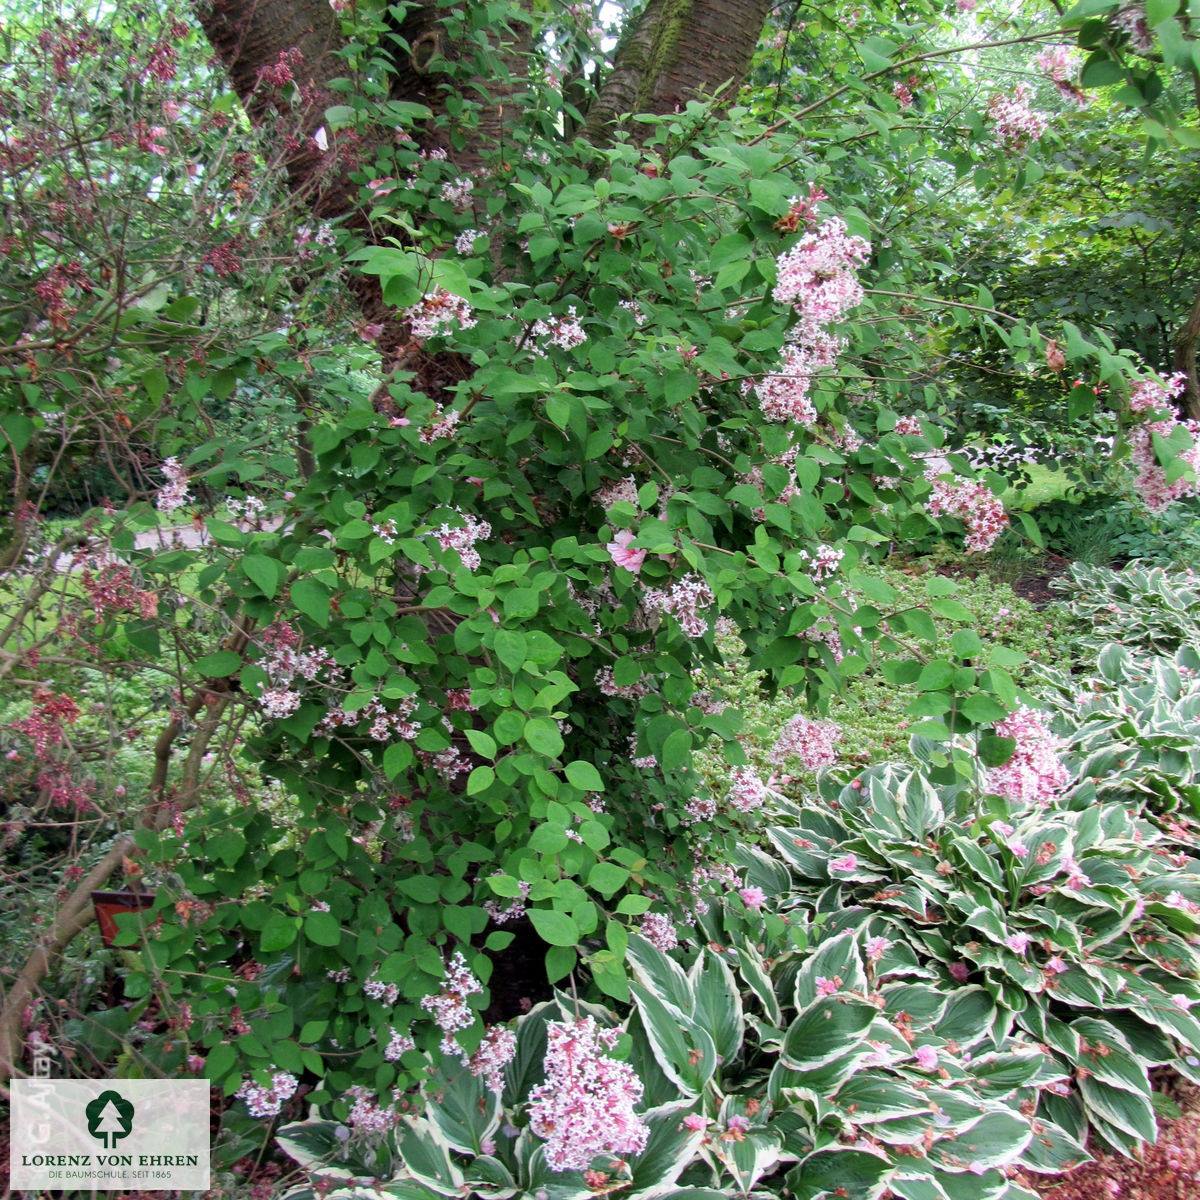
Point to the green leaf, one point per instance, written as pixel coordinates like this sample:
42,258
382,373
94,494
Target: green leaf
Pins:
823,1173
322,929
510,648
278,933
219,665
584,776
607,878
312,598
266,573
542,735
556,928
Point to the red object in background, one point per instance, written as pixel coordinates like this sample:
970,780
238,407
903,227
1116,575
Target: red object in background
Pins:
110,905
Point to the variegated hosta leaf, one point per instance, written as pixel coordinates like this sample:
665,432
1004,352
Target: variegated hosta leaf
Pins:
425,1153
717,1004
463,1110
659,974
838,962
860,1173
683,1049
669,1149
825,1030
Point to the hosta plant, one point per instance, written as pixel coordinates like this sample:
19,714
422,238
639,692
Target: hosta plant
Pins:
761,1069
1147,606
1136,733
1073,921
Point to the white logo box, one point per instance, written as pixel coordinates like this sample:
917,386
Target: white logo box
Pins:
109,1135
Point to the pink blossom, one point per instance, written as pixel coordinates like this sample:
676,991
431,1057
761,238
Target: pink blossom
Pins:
564,332
975,505
695,1122
1181,1001
174,494
585,1106
961,971
826,987
817,276
1016,123
438,312
810,741
659,930
877,947
619,551
266,1100
619,491
1056,965
1034,774
494,1053
1151,478
823,563
1154,395
846,863
746,790
684,601
1018,943
449,1007
752,897
462,538
927,1058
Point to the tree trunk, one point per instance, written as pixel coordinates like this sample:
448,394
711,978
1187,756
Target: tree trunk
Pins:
1187,341
678,50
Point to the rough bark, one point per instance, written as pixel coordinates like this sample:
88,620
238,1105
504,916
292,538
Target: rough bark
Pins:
252,35
1187,342
678,50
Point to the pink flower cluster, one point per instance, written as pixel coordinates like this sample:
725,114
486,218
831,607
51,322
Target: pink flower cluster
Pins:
442,424
809,741
449,1006
817,277
1151,477
493,1054
619,491
462,538
783,393
975,505
585,1107
747,791
1034,774
659,930
366,1113
1061,65
1016,123
1131,20
266,1100
1153,395
684,601
823,563
514,911
398,1044
174,493
608,686
459,192
564,332
438,312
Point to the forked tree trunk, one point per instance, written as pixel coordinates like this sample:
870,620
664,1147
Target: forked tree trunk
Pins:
677,51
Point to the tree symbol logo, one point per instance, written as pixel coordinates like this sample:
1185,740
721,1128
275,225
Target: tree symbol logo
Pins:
109,1117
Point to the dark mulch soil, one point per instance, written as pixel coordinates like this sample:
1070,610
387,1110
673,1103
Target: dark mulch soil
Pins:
1168,1170
1034,586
